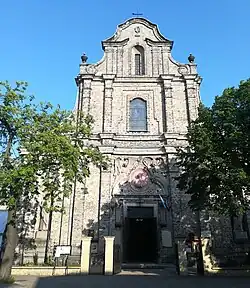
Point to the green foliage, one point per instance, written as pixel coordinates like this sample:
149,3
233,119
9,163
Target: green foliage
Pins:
9,280
43,149
215,166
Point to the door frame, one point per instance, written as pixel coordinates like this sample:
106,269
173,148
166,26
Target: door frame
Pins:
126,205
125,214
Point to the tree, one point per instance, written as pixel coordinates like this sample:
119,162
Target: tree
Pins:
56,145
54,156
215,165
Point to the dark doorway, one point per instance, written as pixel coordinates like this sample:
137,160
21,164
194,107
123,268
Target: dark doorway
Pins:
140,241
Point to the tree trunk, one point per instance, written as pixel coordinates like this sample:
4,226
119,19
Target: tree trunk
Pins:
10,241
48,237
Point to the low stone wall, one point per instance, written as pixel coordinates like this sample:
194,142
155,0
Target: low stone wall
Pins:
44,271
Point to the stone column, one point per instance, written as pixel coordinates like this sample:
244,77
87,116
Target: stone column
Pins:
192,97
169,109
108,98
85,256
109,255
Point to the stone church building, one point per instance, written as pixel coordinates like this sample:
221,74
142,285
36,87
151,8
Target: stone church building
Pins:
142,101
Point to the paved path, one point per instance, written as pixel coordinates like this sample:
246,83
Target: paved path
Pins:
132,279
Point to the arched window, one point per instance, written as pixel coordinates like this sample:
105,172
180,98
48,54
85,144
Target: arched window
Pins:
139,60
138,115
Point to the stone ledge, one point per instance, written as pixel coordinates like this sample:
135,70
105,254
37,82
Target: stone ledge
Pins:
44,271
227,272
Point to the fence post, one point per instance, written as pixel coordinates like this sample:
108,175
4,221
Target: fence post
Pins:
177,262
109,255
182,258
85,256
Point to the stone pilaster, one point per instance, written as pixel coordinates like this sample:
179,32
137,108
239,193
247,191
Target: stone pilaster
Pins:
160,59
85,88
169,109
165,59
192,97
120,62
155,56
109,60
108,97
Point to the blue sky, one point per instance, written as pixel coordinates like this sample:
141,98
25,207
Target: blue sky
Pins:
42,40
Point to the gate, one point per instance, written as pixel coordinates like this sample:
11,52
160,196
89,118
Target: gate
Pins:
117,259
97,257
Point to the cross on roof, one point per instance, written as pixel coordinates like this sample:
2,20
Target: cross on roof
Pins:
137,14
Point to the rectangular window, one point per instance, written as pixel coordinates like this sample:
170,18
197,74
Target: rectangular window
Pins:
137,64
138,115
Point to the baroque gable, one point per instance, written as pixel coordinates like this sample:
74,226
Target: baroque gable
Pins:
137,36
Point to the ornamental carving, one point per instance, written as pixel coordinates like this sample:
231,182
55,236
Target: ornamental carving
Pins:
143,175
183,70
137,30
88,69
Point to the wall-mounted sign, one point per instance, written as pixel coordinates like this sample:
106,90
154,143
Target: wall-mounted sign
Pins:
166,237
62,250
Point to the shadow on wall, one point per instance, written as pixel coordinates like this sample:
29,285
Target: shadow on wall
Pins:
222,248
184,218
135,190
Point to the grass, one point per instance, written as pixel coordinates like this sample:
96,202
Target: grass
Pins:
9,280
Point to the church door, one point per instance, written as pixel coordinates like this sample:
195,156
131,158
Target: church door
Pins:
140,239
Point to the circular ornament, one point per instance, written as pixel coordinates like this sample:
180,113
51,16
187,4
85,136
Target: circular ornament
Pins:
139,178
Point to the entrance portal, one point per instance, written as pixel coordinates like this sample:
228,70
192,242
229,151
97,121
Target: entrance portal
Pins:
140,233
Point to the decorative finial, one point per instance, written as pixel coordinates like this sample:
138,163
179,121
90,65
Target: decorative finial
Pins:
84,58
191,58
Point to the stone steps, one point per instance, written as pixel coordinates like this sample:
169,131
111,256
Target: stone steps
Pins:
147,266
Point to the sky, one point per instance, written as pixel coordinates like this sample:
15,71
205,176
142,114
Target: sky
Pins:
42,40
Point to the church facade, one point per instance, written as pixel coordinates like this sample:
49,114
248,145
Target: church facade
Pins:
142,101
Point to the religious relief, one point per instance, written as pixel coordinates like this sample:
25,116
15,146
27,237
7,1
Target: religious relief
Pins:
140,175
139,178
